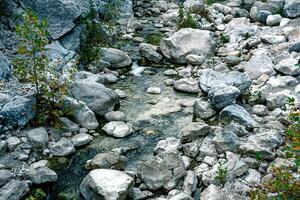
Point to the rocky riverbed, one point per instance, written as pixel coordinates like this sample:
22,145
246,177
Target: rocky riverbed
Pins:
164,111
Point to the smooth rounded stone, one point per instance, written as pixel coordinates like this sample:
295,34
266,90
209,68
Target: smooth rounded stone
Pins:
232,60
120,93
203,109
4,98
223,95
5,176
138,39
226,141
193,131
291,8
212,192
106,184
81,139
41,163
295,47
162,171
42,175
288,67
278,99
169,82
189,85
273,20
69,125
14,190
138,194
169,144
118,129
190,183
108,160
181,196
188,41
237,114
209,78
38,137
115,116
13,142
63,147
253,177
262,143
150,52
115,57
170,72
260,110
195,59
154,90
260,65
98,98
83,130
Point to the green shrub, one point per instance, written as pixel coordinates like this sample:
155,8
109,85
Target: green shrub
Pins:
224,38
153,38
186,19
36,194
112,10
222,174
33,66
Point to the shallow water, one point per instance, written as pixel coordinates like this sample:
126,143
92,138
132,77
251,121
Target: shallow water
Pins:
71,171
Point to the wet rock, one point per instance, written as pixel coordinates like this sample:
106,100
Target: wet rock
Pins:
98,98
163,171
108,160
188,41
209,78
5,176
288,67
190,183
203,109
223,95
14,190
262,144
187,85
260,65
291,8
38,137
115,57
5,69
226,141
150,52
118,129
237,114
41,175
169,144
63,147
106,184
18,112
170,72
81,139
193,131
115,116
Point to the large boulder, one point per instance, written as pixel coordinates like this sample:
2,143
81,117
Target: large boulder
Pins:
98,98
14,190
5,67
260,65
106,184
209,78
292,8
163,171
18,112
115,57
188,41
60,14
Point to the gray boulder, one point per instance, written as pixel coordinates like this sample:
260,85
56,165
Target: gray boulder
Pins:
193,131
291,8
237,114
60,15
226,141
14,190
63,147
42,175
189,85
106,184
118,129
38,137
5,67
169,144
288,67
108,160
188,41
5,176
115,57
260,10
203,109
209,78
98,98
150,52
81,139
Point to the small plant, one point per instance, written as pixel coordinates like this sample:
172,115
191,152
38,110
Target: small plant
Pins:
36,194
112,10
283,186
153,38
186,20
221,174
33,66
224,38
